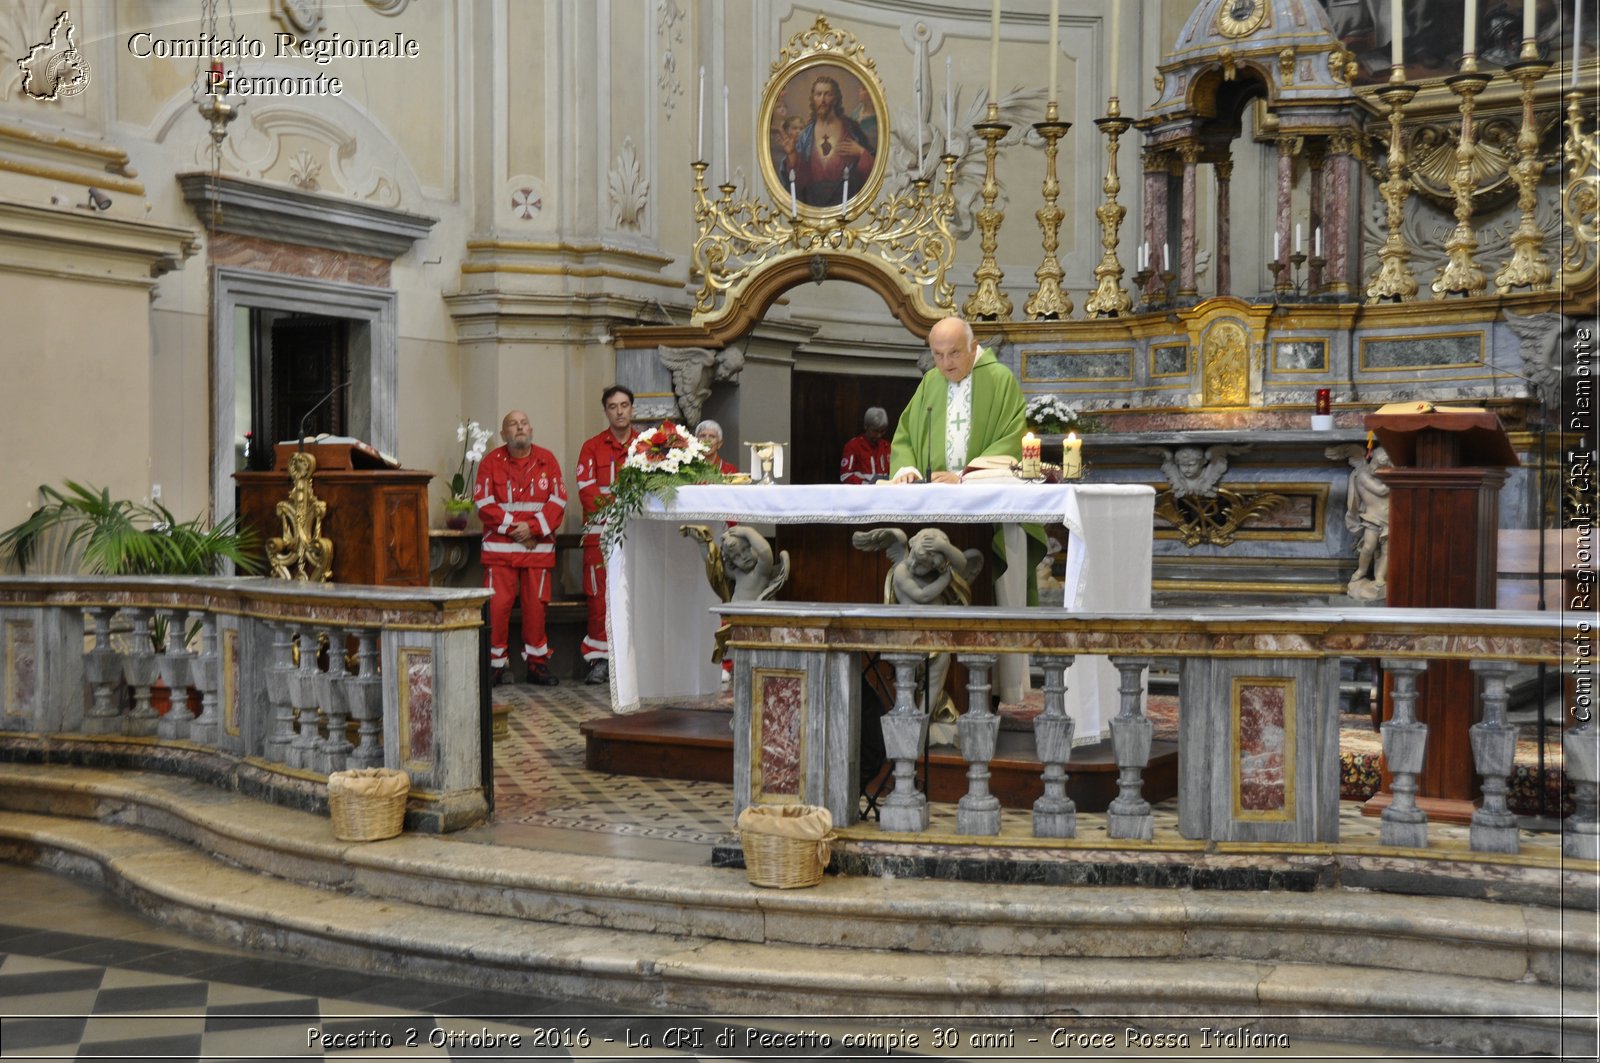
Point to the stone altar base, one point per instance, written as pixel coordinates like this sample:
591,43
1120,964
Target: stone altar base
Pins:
697,744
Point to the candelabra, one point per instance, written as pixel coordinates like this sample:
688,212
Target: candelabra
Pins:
1140,279
1049,302
1580,196
1460,273
1528,266
1109,299
988,302
1395,279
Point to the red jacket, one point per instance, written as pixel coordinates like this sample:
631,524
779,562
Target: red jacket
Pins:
863,460
598,463
528,491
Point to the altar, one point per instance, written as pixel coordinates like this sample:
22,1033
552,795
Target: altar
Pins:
658,600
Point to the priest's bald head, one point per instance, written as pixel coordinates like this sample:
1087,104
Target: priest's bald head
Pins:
954,348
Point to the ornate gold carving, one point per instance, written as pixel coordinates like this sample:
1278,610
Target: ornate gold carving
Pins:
1580,200
301,553
1240,18
1460,273
1049,302
1286,65
988,302
1109,299
1395,280
1213,519
1528,267
823,39
1226,358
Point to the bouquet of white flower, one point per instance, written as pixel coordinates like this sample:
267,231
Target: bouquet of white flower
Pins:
474,440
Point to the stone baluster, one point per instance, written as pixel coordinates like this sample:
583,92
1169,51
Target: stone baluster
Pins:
1054,813
335,748
903,730
1404,740
102,667
206,674
139,669
175,673
278,673
1580,832
1128,815
1494,752
303,683
363,697
978,811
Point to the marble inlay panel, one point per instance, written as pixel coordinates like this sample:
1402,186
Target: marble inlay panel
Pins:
1413,352
249,252
230,682
416,708
1169,360
22,678
1263,748
1300,356
779,714
1080,366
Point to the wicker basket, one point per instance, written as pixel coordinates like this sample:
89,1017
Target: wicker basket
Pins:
785,846
367,804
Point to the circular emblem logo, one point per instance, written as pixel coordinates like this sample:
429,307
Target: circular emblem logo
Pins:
67,73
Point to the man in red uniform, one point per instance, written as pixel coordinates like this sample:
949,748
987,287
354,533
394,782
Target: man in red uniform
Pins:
598,463
521,502
866,457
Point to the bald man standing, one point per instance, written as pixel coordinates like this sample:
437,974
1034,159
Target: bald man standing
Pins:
521,501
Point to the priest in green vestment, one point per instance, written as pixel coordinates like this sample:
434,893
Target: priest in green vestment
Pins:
968,406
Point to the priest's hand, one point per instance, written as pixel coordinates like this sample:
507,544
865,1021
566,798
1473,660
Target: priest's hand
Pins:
943,477
908,475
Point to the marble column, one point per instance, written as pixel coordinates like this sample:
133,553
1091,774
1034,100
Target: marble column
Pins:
1316,156
1223,258
1283,225
1339,277
1187,289
1155,219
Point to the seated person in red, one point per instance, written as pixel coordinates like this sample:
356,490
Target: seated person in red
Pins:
521,502
866,457
709,433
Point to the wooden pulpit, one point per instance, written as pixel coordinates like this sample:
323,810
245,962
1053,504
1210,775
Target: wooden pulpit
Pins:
377,515
1444,527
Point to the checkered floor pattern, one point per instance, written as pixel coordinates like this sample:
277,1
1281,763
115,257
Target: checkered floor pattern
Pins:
540,778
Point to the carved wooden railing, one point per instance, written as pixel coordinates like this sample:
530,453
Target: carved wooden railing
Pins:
271,686
1258,750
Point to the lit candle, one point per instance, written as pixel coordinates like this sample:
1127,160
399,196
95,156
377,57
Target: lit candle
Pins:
1529,19
1397,34
794,204
700,128
727,156
846,197
1072,457
1116,43
949,104
1316,241
1469,29
1055,44
1030,457
1324,401
994,53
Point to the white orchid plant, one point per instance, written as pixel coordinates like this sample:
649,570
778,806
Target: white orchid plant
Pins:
1050,414
474,440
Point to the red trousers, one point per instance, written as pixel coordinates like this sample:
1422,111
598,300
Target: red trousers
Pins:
507,582
596,647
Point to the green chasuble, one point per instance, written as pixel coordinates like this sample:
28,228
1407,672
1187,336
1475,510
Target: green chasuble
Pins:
997,427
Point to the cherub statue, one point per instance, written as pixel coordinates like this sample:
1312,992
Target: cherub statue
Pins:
739,567
925,569
1367,518
1195,471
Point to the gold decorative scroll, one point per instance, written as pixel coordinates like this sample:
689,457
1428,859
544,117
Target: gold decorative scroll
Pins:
301,553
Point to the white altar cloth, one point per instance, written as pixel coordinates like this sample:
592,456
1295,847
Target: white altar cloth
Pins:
657,596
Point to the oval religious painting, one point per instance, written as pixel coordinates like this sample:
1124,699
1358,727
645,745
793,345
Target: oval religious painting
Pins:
825,134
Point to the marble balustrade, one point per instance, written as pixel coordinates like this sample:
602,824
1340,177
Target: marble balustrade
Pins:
1258,712
291,682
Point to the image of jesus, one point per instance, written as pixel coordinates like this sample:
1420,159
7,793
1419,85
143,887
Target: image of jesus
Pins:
831,151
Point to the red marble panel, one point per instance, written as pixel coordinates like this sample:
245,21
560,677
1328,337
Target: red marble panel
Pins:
1262,746
780,700
419,705
297,260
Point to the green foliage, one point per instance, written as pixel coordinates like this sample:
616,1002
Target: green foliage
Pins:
116,537
632,486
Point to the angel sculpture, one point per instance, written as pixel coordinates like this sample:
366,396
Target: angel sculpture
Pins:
1193,471
925,569
1367,518
739,566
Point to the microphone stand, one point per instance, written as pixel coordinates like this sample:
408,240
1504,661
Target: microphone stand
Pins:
320,403
927,446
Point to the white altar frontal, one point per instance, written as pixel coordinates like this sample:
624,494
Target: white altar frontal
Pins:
658,600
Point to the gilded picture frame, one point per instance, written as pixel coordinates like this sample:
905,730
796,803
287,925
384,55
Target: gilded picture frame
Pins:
823,115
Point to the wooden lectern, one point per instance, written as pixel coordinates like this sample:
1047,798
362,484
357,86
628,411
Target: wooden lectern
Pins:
377,515
1444,528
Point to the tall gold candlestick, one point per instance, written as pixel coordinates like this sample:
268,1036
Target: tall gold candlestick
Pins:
1049,302
1395,279
988,302
1528,267
1460,273
1109,299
